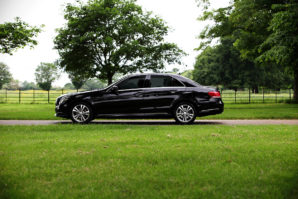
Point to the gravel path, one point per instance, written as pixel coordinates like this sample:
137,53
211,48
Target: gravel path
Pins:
152,122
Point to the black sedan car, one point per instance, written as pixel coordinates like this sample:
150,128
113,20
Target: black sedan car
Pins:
143,96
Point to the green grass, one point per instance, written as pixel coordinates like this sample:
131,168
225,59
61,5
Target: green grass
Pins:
122,161
232,111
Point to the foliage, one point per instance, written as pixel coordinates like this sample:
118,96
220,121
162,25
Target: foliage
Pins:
104,37
45,75
263,31
5,75
68,86
222,65
77,80
28,85
188,74
13,84
18,34
92,84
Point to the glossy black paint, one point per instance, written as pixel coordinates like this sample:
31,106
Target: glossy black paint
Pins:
144,102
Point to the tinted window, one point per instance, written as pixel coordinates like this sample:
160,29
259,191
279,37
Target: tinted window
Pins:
164,81
131,83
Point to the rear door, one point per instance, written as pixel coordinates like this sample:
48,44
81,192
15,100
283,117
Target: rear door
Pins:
162,91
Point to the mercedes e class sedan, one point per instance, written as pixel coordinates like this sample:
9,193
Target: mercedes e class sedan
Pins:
143,96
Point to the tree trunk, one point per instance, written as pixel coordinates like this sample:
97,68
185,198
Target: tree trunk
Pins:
110,79
296,84
255,89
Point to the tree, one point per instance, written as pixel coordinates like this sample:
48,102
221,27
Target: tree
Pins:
188,74
281,46
264,32
222,65
69,86
103,37
5,75
77,80
14,84
92,84
28,85
45,75
18,34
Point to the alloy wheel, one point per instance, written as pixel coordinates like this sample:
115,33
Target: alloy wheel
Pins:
80,113
185,113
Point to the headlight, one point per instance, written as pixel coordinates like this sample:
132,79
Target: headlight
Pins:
63,99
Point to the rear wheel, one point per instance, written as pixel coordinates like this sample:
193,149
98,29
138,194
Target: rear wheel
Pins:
185,113
81,113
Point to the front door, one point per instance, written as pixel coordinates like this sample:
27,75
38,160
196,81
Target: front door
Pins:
126,100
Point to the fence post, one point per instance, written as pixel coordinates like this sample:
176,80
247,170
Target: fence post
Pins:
62,91
19,96
6,95
263,96
275,96
235,97
249,95
48,96
290,94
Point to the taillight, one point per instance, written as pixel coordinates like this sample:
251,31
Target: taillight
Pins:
215,94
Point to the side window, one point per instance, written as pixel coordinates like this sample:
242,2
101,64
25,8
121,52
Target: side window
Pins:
131,83
164,81
176,83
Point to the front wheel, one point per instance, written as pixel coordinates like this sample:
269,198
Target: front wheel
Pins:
81,113
185,113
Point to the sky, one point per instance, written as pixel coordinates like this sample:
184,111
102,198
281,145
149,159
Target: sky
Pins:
180,15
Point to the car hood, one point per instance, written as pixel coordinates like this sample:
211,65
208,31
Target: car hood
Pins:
82,93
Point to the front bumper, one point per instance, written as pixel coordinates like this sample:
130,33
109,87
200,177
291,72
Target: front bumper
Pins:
61,112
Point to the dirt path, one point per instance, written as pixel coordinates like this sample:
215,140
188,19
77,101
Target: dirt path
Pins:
152,122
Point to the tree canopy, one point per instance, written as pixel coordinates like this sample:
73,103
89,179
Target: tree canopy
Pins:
104,37
222,65
264,32
45,75
18,34
5,75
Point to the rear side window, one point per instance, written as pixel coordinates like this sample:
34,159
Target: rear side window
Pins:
131,83
164,81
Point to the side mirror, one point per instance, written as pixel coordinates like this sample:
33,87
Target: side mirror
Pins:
114,89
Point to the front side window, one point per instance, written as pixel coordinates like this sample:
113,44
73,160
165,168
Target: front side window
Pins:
131,83
164,81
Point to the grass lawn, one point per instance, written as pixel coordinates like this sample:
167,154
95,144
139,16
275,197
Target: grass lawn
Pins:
122,161
232,111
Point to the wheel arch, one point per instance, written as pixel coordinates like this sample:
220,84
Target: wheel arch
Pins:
177,102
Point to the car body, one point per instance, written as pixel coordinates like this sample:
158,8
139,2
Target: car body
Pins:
153,95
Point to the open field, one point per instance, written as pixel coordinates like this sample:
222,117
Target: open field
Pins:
232,111
228,96
122,161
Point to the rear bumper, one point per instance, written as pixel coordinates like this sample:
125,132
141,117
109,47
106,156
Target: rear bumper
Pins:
213,107
210,112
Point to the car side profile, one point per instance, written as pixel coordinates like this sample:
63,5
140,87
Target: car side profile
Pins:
143,96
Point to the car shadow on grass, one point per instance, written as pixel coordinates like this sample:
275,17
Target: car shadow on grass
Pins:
144,122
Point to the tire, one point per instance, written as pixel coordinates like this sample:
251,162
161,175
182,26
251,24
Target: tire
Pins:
185,113
81,113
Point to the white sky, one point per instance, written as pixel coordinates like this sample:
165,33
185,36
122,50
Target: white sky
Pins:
180,15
